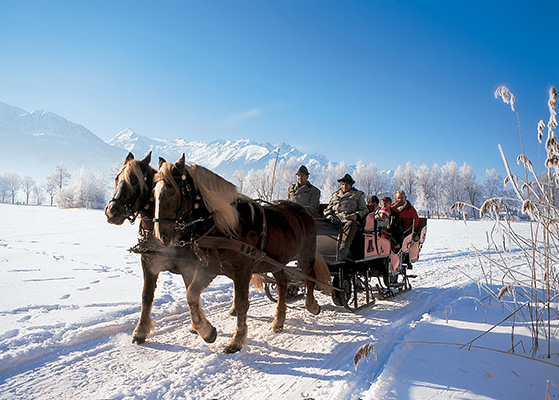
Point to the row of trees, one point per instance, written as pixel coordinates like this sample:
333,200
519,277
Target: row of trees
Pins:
83,190
432,190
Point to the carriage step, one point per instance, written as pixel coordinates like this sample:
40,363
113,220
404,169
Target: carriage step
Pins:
411,276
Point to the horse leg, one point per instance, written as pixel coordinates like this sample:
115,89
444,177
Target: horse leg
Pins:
200,324
281,305
145,324
309,264
311,304
187,277
241,303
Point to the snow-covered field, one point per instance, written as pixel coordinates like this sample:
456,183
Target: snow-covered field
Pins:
70,297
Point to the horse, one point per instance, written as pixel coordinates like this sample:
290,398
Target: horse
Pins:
133,198
236,237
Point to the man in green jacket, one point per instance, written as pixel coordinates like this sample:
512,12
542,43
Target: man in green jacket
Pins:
303,192
348,207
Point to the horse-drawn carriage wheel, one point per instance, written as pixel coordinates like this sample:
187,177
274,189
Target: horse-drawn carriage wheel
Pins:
293,292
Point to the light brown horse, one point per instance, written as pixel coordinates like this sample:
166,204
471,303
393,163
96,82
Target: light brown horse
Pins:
194,205
133,198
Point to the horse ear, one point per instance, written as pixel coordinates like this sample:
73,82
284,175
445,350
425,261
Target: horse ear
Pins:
129,157
181,161
161,161
145,162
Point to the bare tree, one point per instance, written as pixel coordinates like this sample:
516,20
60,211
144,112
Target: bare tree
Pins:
472,189
13,184
28,184
60,175
3,188
239,176
38,194
51,188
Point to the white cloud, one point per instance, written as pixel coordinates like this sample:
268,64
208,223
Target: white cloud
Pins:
236,119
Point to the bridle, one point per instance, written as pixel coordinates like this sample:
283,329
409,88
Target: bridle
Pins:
188,193
128,206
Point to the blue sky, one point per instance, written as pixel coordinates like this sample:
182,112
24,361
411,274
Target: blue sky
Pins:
381,81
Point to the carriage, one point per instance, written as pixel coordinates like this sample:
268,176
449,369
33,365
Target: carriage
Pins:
374,265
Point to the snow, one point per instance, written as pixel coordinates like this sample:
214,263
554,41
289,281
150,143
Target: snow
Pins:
71,297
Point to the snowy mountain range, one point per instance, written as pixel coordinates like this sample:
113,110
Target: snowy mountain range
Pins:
221,156
32,143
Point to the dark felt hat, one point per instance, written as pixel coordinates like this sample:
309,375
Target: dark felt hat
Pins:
302,170
347,179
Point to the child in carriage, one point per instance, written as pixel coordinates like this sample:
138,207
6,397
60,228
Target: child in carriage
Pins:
394,227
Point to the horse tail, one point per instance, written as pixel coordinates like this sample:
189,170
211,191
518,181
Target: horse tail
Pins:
322,273
257,282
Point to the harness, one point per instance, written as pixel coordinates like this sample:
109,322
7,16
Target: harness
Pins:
129,205
207,241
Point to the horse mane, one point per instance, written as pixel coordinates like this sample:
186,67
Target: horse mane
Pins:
132,167
165,174
220,197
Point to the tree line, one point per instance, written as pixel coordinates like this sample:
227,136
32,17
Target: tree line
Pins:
83,190
432,190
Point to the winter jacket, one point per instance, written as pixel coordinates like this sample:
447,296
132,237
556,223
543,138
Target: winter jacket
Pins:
407,211
306,195
343,205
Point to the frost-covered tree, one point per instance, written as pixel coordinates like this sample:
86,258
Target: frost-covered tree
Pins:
472,190
60,177
239,177
328,180
426,201
38,194
404,179
3,188
13,185
451,187
493,185
259,184
28,184
86,190
51,188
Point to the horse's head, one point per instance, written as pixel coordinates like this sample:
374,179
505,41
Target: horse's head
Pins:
172,202
132,190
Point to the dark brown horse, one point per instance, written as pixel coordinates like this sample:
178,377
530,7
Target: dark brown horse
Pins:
133,198
194,205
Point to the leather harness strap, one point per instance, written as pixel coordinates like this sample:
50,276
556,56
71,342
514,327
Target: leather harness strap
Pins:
225,243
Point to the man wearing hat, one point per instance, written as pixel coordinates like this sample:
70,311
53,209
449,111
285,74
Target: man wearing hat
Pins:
303,192
347,206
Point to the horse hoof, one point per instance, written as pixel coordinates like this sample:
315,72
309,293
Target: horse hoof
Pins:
232,348
314,308
192,330
277,329
138,340
212,336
